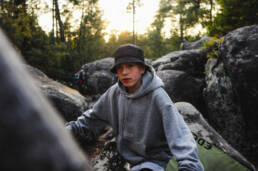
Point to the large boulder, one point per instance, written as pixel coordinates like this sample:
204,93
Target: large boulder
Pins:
231,93
33,136
190,61
214,151
194,45
181,86
96,76
223,111
183,73
240,56
69,102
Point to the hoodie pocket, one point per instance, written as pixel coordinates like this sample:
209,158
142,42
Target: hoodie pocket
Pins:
136,147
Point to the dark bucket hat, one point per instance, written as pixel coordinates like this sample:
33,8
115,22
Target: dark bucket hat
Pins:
128,53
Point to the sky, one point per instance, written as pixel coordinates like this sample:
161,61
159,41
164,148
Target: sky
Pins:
114,13
118,19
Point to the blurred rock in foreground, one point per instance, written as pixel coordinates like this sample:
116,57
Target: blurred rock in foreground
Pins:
33,137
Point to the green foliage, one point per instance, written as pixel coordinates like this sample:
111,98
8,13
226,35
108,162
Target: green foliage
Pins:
212,45
156,36
35,46
234,14
89,41
116,39
58,60
187,14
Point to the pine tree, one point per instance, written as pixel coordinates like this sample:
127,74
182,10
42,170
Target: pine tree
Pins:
234,14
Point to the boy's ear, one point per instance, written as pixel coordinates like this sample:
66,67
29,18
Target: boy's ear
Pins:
143,69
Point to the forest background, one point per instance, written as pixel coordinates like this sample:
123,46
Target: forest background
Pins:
61,52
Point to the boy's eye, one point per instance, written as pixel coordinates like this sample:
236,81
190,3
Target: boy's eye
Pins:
118,67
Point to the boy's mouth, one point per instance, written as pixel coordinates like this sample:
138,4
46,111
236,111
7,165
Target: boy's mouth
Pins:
125,80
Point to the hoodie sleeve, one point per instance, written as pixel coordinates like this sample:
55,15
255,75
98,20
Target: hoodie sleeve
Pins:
93,120
178,135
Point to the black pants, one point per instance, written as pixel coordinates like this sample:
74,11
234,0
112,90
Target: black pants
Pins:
145,169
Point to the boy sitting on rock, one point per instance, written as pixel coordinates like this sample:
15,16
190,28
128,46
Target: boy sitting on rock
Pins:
148,128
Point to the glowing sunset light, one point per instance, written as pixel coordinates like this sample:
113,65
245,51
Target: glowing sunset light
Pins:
115,15
118,19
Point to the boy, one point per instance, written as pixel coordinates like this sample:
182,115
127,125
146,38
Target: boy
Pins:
148,128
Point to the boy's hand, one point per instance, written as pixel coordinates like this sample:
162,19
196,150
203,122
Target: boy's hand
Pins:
83,135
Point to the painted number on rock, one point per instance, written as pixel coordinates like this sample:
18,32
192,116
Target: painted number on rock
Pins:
202,142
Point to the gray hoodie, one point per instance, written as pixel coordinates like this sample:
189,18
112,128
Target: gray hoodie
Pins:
147,126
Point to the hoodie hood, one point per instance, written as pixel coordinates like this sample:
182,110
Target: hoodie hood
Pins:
150,82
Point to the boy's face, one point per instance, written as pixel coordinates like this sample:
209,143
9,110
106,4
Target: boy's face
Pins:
130,75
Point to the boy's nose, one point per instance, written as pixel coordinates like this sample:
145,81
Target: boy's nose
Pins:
125,70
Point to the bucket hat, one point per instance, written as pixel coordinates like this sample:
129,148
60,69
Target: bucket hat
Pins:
128,53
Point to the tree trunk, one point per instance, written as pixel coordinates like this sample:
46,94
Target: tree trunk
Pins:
211,4
181,28
133,41
2,4
58,17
